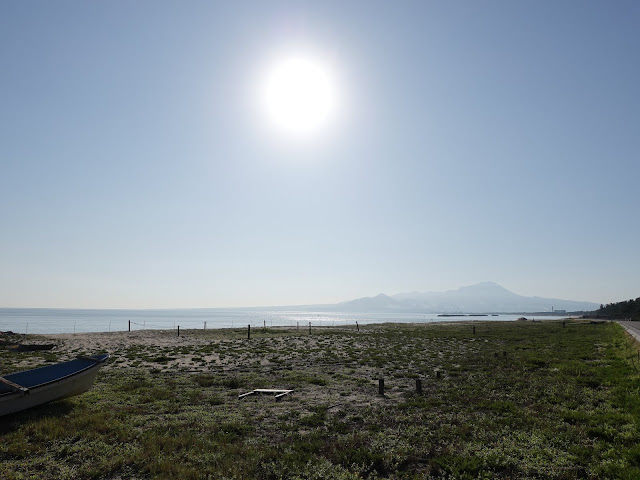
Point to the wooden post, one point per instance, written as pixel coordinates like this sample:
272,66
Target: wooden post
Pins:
474,329
129,325
264,325
563,324
309,327
178,330
418,385
205,325
381,386
249,332
357,326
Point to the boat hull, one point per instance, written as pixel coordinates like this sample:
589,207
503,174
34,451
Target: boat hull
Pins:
67,384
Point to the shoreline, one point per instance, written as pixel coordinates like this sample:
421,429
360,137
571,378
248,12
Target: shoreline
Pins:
49,325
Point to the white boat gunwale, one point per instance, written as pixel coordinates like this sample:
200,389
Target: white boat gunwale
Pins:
21,394
98,359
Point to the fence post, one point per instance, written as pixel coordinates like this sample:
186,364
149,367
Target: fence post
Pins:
418,385
474,329
357,326
381,386
205,325
178,330
309,327
129,325
249,332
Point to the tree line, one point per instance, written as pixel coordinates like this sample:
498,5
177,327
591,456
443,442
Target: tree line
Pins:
620,310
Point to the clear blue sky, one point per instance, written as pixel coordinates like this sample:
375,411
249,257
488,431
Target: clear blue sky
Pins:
476,141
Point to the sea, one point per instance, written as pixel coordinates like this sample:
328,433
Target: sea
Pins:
54,320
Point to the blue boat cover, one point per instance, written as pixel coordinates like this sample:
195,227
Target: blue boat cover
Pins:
51,373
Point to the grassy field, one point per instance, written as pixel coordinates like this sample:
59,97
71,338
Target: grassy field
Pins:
514,400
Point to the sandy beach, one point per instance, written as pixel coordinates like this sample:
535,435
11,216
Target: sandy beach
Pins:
178,397
273,356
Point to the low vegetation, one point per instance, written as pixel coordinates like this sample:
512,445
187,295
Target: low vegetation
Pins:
514,400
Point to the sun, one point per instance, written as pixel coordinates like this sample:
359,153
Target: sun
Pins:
299,95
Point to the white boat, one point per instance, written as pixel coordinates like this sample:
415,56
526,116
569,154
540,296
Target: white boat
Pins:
22,390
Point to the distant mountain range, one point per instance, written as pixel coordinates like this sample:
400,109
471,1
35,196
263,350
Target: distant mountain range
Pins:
485,297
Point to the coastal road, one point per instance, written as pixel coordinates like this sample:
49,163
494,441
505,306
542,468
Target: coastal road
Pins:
633,328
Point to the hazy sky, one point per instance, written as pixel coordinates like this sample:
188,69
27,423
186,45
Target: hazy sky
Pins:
473,141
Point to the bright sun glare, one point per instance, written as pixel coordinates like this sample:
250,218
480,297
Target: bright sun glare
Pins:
299,95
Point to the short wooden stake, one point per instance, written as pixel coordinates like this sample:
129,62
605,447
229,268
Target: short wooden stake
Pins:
264,326
205,325
178,330
563,324
357,326
309,327
249,332
129,325
418,385
474,329
381,386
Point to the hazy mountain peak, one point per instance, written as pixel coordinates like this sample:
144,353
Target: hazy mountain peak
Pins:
483,297
485,289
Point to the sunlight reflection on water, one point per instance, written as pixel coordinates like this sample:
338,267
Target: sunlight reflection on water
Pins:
77,321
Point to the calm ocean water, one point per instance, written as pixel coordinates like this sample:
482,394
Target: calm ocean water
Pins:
51,320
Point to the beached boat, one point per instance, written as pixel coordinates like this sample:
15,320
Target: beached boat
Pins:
22,390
